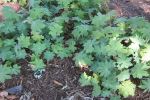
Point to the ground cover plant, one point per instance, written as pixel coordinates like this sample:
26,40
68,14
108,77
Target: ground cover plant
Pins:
114,51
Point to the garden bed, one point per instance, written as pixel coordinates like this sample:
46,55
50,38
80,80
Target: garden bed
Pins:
60,81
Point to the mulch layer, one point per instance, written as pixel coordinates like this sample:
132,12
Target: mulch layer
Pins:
58,82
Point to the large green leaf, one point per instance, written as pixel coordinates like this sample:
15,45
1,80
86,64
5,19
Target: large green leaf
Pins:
140,70
103,68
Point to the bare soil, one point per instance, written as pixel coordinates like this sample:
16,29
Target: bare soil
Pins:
130,8
59,81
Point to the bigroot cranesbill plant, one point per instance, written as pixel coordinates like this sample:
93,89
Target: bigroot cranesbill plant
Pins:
115,50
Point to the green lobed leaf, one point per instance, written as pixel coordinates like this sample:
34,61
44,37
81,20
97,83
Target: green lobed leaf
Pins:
140,70
38,47
10,14
115,97
81,31
37,26
124,75
5,73
64,3
24,41
60,50
6,54
123,62
20,53
37,63
127,88
96,90
49,55
83,60
38,12
110,82
7,27
55,29
15,69
103,68
145,84
89,46
85,80
8,42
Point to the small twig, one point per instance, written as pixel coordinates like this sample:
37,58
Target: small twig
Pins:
57,83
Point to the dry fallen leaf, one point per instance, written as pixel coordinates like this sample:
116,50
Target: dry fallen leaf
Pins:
3,94
11,97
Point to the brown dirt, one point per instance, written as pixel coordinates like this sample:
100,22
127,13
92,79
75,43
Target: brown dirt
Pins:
59,81
130,8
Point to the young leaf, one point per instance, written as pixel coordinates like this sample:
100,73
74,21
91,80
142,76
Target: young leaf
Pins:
127,88
37,37
98,34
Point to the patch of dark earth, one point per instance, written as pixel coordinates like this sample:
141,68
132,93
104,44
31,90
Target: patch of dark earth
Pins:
59,82
130,8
